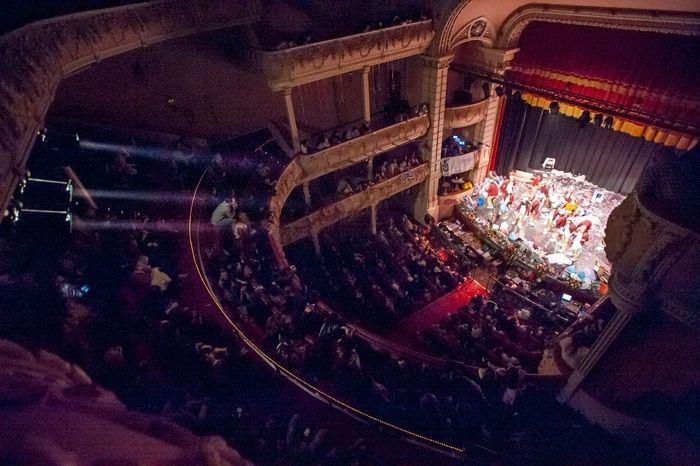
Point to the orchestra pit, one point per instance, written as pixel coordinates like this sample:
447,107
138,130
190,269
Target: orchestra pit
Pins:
321,232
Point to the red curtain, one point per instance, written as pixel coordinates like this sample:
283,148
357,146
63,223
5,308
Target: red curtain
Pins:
654,73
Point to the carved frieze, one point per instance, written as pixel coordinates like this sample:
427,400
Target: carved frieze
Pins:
466,115
360,148
312,62
654,262
328,215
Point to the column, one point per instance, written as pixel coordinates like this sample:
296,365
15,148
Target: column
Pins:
373,220
289,104
609,334
434,93
496,62
366,109
317,243
307,194
370,169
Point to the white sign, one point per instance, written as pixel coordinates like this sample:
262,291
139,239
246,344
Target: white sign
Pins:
458,164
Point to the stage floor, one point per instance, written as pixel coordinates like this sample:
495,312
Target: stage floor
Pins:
560,217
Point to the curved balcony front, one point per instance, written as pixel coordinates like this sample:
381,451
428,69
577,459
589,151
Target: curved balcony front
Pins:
308,63
359,149
326,216
466,115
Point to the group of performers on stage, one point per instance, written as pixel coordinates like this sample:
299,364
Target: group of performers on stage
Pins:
536,204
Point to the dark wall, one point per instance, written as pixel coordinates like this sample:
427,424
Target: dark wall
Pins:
608,158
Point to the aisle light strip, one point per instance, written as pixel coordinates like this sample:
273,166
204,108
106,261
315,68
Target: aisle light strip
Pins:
277,366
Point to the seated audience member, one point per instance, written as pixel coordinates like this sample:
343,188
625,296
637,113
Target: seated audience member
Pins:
303,147
224,213
323,143
365,128
335,139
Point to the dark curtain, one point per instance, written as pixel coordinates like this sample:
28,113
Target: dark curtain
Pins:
610,159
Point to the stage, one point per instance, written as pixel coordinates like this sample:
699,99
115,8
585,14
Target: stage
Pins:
552,221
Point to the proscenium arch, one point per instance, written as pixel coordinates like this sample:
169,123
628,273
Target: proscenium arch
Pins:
631,19
35,58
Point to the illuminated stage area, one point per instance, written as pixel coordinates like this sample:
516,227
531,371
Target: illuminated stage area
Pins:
556,219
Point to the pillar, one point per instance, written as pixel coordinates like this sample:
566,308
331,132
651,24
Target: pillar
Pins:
317,243
434,93
366,109
606,338
307,194
289,104
487,131
373,220
370,169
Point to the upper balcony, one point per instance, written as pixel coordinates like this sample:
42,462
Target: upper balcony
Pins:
352,204
465,115
308,63
360,148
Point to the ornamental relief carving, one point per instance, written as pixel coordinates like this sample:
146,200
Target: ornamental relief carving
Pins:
652,262
308,63
637,20
335,157
466,115
328,215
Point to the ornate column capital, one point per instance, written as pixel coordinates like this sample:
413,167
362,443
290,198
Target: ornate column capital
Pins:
436,62
498,59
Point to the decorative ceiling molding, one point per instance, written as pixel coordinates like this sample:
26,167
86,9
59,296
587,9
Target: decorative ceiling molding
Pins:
630,19
479,29
34,59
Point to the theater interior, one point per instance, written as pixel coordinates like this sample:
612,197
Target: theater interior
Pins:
326,232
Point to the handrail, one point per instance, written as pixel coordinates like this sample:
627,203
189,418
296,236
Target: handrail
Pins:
366,34
362,147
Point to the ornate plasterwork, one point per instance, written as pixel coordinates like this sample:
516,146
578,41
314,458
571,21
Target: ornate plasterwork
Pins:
653,262
466,115
360,148
329,215
478,29
313,62
638,20
35,58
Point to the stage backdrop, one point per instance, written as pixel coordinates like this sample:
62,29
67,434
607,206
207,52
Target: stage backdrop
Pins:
611,159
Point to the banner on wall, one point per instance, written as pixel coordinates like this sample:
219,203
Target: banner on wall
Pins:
458,164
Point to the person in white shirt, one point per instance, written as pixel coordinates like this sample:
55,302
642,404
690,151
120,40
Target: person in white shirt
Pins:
225,212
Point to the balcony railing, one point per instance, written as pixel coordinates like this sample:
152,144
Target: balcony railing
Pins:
466,115
330,214
307,63
362,147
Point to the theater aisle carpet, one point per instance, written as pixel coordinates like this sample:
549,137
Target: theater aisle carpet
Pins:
435,312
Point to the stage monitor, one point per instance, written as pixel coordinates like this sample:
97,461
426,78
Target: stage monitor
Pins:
566,297
548,163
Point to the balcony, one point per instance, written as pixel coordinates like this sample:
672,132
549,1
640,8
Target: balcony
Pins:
362,147
466,115
330,214
312,62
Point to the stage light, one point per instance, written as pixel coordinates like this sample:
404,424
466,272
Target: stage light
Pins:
554,107
500,91
598,119
608,122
